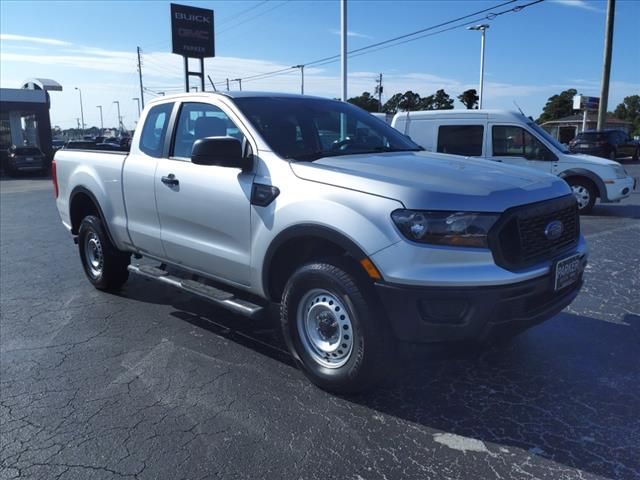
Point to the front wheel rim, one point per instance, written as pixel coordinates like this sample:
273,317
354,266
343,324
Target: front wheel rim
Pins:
93,255
325,328
582,195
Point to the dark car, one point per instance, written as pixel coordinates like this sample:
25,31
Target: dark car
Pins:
80,145
26,159
611,144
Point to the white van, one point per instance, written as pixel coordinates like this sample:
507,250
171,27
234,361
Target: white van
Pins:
512,138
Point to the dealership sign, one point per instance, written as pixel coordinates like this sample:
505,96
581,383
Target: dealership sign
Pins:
581,102
192,31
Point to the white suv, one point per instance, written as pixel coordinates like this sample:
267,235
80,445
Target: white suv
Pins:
510,137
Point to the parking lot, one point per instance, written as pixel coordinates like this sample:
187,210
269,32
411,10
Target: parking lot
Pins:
154,384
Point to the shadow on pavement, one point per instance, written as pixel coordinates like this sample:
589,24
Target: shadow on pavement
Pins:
615,210
551,391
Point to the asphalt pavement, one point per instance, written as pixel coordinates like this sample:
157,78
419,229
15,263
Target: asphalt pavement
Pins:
154,384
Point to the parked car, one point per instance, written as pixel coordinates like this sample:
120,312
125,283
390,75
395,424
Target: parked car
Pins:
512,138
610,144
362,242
26,159
80,145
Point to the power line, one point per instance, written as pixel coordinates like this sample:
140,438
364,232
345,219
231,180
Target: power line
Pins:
239,14
405,38
231,27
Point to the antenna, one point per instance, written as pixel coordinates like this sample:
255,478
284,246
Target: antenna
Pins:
518,107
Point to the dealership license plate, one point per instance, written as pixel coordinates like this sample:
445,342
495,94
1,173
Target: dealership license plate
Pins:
568,271
29,159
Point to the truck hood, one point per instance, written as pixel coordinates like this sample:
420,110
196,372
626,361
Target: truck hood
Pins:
590,159
435,181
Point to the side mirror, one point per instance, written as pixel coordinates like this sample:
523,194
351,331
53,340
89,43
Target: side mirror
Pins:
220,151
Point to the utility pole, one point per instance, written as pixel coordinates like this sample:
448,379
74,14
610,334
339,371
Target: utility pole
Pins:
606,68
119,117
101,122
227,84
81,109
482,29
379,92
138,101
239,80
343,48
140,76
301,67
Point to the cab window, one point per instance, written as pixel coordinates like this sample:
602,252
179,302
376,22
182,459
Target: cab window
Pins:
512,141
201,120
155,130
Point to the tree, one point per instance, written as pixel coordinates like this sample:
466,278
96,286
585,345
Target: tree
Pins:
407,101
366,101
558,106
442,101
469,98
629,110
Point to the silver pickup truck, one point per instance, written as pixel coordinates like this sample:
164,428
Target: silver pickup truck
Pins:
252,200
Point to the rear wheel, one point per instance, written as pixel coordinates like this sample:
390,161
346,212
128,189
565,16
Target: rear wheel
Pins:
104,265
333,328
585,194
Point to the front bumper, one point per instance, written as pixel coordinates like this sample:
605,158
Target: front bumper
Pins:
449,314
620,188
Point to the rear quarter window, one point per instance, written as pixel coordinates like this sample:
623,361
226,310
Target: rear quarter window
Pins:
155,130
461,139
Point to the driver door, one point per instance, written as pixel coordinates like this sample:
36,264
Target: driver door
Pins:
514,145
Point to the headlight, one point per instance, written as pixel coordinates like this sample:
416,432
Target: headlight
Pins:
462,229
620,171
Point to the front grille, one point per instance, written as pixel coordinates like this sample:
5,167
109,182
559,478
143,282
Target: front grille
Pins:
518,240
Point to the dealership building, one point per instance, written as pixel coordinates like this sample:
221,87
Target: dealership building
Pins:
24,115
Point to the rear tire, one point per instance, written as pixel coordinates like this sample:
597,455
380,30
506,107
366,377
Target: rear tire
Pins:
104,265
334,328
585,193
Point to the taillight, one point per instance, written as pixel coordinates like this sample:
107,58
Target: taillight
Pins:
54,178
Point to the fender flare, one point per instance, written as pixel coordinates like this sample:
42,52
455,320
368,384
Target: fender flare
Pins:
85,191
307,230
581,172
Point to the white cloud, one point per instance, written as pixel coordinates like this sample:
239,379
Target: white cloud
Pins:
582,4
22,38
351,33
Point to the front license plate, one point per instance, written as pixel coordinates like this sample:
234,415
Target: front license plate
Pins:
29,159
568,271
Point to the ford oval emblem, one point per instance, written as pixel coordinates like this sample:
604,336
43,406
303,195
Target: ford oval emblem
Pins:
554,230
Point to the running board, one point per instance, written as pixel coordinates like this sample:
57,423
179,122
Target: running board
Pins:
220,297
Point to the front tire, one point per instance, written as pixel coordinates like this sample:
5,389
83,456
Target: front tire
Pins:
104,265
333,328
585,194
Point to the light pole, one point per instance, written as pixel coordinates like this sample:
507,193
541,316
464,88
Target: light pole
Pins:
301,67
81,110
137,100
119,118
101,122
343,48
239,80
482,28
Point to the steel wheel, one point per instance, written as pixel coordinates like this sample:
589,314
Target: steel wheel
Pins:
582,194
325,328
93,254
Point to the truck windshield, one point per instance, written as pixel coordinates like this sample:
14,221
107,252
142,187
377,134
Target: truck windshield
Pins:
311,128
544,134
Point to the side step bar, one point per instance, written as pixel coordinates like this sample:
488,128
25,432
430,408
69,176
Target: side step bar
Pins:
215,295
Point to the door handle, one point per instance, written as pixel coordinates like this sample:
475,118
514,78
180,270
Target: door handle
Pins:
170,180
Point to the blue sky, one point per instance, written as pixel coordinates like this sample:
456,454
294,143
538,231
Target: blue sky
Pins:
530,55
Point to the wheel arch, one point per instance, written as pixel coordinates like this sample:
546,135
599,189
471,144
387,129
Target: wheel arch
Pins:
298,244
601,190
83,202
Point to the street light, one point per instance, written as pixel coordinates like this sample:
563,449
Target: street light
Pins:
101,122
119,117
482,28
81,110
301,67
137,100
